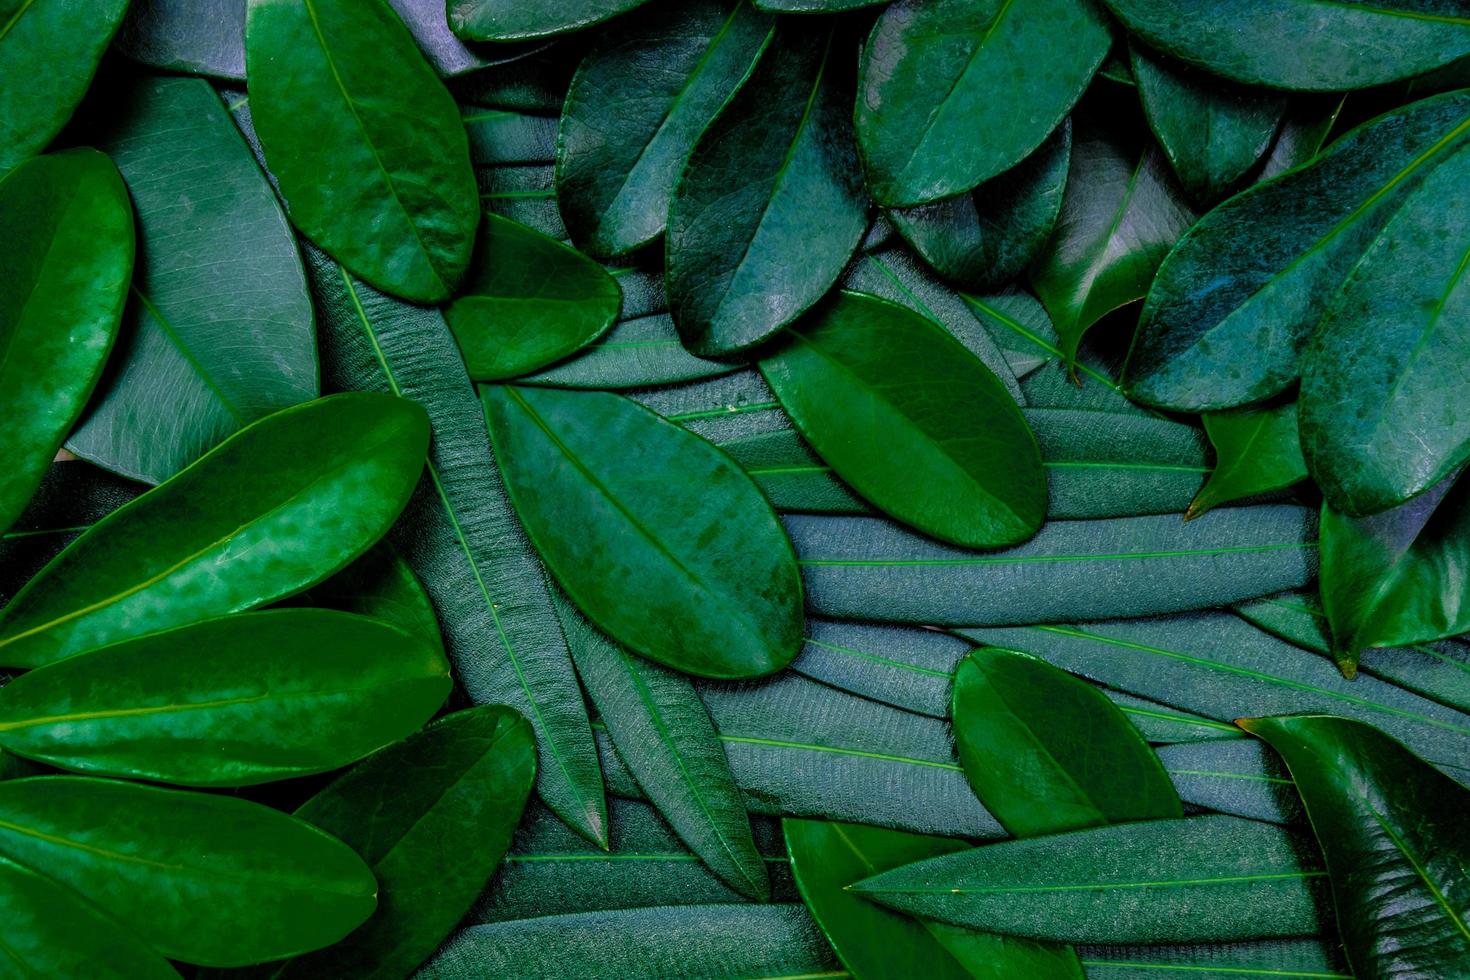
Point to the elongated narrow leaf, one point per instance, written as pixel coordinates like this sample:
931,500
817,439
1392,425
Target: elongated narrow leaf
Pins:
1236,301
770,206
865,568
1256,451
70,256
1240,777
462,538
274,509
201,878
638,352
1308,959
1317,46
1162,725
792,476
1393,831
718,596
647,89
1209,878
219,329
518,20
663,733
897,665
229,702
874,942
953,93
49,52
364,142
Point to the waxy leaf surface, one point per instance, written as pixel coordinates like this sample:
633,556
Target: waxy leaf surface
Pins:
520,20
1257,450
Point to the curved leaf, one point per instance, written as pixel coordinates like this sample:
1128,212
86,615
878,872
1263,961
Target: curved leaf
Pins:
1235,776
365,144
519,20
952,93
769,207
69,233
381,585
601,486
232,701
219,328
272,510
895,665
1256,451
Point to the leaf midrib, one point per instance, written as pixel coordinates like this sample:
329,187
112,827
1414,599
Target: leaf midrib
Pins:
1095,886
1043,559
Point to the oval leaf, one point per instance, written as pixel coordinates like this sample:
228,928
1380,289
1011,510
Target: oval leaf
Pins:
519,20
1256,451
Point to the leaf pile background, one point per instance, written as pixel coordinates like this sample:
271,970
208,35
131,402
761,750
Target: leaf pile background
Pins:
734,488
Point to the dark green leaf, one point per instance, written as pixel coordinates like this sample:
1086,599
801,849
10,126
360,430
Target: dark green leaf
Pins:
1320,45
1257,450
1048,753
791,475
364,142
643,95
520,20
1393,831
893,404
1208,878
219,328
381,584
640,351
532,82
527,302
1235,776
952,93
1236,301
813,6
68,229
1306,959
602,487
770,206
228,702
272,510
201,878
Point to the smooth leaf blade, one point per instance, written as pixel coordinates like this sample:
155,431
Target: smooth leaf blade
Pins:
1256,451
520,20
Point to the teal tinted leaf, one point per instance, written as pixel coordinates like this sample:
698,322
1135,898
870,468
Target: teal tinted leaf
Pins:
894,403
535,81
812,6
1304,130
201,878
461,537
953,93
987,237
862,568
735,406
666,943
1393,832
364,142
1237,776
520,20
1048,753
647,89
1257,450
1320,45
49,52
1163,725
527,301
664,734
770,206
69,229
274,509
897,665
1236,301
874,942
1213,132
232,701
791,475
1122,212
717,596
219,329
1379,422
1308,959
1208,878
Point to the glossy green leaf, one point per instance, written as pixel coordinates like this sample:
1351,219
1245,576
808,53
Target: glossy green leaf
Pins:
527,302
770,206
1319,45
1236,301
201,878
1237,776
874,942
866,568
664,734
1393,832
1379,418
1208,878
1305,959
602,487
382,585
273,510
1048,753
219,329
1213,132
1122,212
365,144
893,404
1257,450
792,476
49,51
228,702
952,93
647,89
987,237
520,20
461,537
69,229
